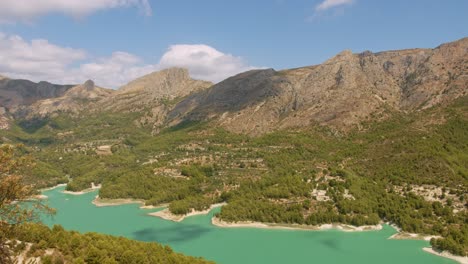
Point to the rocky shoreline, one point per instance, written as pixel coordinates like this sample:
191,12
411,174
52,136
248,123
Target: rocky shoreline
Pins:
99,202
342,227
167,215
445,254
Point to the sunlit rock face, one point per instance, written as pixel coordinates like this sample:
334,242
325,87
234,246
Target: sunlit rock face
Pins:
342,92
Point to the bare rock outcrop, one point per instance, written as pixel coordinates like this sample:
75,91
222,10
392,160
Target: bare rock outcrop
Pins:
154,94
4,120
165,85
74,101
16,93
342,92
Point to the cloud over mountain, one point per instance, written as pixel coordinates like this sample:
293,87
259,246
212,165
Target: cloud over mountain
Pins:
40,60
35,59
203,62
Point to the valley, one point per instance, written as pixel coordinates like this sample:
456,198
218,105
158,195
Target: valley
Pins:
360,140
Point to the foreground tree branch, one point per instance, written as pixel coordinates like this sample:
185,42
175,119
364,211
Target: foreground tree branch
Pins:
17,205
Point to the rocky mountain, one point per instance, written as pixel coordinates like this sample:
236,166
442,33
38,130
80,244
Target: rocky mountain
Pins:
153,94
150,89
4,120
73,101
16,94
342,92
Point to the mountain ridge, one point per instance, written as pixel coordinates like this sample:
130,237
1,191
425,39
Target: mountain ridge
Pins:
73,101
360,139
344,91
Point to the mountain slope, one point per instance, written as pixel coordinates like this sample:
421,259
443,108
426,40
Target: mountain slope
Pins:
14,93
73,101
342,92
167,84
403,158
150,97
153,95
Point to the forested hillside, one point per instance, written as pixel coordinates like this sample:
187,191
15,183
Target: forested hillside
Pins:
22,240
323,131
359,139
59,246
410,170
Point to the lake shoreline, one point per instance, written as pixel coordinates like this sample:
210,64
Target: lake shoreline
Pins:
412,236
42,196
92,189
251,224
167,215
445,254
52,188
103,202
400,235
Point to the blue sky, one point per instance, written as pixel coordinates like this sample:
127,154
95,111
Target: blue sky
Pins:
135,37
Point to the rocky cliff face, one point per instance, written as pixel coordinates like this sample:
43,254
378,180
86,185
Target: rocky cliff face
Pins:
15,93
342,92
154,94
75,100
4,120
165,85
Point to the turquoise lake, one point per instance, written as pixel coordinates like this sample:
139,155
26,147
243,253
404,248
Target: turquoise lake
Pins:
196,236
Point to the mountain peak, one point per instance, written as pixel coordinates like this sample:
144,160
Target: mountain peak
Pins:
345,55
342,92
89,85
172,74
88,90
171,82
176,70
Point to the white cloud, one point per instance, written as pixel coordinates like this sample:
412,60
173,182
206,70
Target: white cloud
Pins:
112,72
327,4
35,59
204,62
39,60
26,10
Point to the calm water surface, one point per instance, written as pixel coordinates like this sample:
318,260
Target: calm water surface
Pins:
196,236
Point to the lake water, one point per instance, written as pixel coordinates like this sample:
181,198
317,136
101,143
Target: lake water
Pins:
196,236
